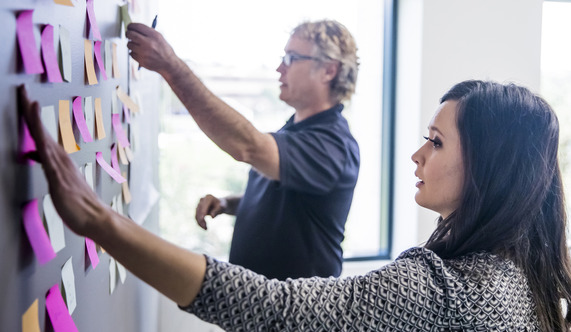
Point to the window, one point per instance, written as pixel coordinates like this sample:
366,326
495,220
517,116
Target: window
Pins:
556,78
235,51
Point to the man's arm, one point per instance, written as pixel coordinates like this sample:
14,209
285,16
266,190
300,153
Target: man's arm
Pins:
175,272
222,124
213,206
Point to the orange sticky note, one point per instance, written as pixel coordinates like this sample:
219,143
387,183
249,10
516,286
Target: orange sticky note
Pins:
99,119
125,99
126,191
64,2
65,128
116,73
89,65
30,322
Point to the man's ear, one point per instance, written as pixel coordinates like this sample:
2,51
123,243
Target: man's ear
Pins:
331,69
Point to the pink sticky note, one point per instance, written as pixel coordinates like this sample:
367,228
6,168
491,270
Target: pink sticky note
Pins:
27,144
99,59
92,21
80,120
114,161
116,120
59,315
37,233
49,55
107,168
27,42
126,111
92,252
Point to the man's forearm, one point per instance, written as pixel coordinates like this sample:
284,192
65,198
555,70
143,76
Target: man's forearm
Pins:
232,204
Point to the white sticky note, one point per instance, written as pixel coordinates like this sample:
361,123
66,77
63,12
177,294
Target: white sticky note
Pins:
48,115
68,281
112,275
122,272
65,47
55,224
89,115
114,108
108,57
119,202
88,173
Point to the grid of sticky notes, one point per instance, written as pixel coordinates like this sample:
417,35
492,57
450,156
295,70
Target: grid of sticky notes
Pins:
42,224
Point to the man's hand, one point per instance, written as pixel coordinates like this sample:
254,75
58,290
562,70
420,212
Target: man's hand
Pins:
149,48
208,206
76,203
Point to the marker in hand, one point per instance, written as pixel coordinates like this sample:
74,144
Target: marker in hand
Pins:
153,25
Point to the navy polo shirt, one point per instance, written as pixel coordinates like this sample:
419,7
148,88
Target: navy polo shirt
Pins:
294,227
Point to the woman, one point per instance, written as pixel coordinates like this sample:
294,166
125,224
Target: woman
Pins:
497,261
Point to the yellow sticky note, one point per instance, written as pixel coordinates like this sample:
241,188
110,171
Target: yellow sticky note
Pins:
64,2
89,66
126,192
30,322
99,119
65,128
116,73
125,99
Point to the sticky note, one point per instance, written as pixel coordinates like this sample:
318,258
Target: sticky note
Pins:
30,321
114,161
114,108
89,115
100,128
65,48
129,154
55,224
27,43
27,143
65,128
126,113
92,252
36,232
122,272
125,17
68,281
118,127
89,66
108,58
57,311
92,20
99,59
108,169
125,189
48,116
112,275
122,155
49,55
64,2
80,120
88,173
125,99
119,203
115,63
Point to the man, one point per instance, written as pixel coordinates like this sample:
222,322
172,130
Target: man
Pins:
290,220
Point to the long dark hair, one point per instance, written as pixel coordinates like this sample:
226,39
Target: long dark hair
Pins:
512,200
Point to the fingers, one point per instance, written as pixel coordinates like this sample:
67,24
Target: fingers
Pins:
139,28
207,206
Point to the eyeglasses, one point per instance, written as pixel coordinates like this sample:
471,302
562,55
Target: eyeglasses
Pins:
290,58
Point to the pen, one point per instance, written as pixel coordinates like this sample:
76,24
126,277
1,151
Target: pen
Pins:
153,25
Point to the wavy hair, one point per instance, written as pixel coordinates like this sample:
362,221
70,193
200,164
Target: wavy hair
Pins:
512,199
333,41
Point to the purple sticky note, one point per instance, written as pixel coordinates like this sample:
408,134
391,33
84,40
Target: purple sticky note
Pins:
36,232
107,168
99,59
92,252
92,21
59,315
126,111
80,120
116,121
49,55
27,143
114,161
27,42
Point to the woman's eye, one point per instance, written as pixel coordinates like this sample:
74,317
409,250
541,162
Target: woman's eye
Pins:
435,142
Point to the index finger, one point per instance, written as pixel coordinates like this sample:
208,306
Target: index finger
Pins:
141,28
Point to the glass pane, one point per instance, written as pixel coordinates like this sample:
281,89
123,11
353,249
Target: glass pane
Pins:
235,51
556,77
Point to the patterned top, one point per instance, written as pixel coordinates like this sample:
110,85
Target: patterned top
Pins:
419,291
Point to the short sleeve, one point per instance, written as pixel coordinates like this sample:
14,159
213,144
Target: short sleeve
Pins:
311,160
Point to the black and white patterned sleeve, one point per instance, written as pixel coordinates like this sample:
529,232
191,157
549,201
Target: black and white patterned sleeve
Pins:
393,298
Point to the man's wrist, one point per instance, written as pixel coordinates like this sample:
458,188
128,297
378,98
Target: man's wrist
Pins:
223,202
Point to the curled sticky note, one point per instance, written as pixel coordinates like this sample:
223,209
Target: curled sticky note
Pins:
49,55
36,232
27,42
58,312
108,169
